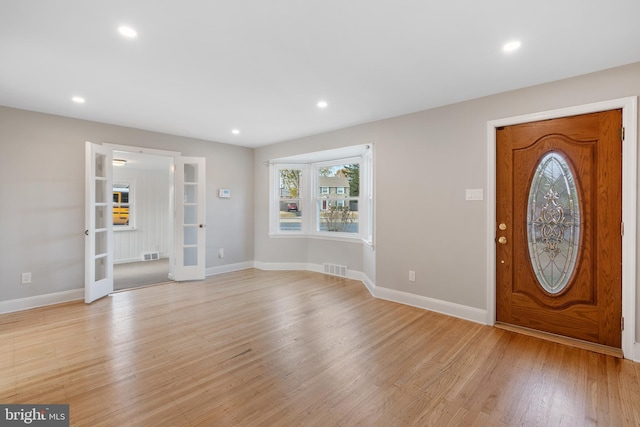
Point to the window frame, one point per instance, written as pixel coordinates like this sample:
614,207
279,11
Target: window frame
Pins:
311,193
318,196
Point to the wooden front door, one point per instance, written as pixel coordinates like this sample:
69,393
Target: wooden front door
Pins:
559,220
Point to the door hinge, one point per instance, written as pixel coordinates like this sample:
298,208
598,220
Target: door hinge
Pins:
622,229
622,323
622,133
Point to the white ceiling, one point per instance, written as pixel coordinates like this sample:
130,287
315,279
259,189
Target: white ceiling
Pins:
201,68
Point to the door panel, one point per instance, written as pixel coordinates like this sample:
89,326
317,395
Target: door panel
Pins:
589,307
190,218
98,222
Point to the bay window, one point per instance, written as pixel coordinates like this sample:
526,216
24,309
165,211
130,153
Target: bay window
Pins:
323,195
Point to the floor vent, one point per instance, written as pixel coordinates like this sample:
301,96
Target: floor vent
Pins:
335,270
150,256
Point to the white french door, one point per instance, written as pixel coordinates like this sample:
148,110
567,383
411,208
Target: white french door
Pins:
98,222
188,256
190,226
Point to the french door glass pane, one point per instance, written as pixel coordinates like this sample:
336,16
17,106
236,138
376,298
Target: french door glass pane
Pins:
190,256
190,173
100,268
101,242
190,235
190,214
101,216
101,191
190,193
100,165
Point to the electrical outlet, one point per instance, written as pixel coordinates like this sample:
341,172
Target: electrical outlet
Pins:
221,253
26,278
412,276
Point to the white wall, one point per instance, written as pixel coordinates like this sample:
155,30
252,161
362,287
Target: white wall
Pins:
150,210
423,164
42,197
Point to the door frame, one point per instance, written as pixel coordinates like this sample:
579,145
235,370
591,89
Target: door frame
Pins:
629,108
172,155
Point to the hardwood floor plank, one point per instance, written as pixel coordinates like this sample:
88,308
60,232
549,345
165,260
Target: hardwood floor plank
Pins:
260,348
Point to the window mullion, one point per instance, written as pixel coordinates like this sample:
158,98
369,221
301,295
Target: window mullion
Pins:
305,199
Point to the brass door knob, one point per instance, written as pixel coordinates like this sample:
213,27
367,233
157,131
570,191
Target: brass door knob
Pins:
502,240
502,226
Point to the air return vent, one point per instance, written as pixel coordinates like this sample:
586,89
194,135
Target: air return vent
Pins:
335,270
150,256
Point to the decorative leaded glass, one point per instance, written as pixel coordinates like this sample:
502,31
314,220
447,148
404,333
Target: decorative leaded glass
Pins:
553,222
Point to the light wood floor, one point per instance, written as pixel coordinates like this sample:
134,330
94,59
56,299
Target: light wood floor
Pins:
258,348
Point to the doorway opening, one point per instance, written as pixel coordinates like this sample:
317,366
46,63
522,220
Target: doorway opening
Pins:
142,218
187,207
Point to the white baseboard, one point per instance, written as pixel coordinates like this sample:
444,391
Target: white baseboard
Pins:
212,271
358,275
293,266
444,307
41,300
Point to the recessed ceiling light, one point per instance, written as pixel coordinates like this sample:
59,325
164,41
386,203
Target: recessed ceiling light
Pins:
127,32
78,99
235,131
511,46
322,104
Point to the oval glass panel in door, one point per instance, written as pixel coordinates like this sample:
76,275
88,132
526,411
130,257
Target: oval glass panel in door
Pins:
553,222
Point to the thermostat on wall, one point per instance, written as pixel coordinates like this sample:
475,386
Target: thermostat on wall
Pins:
224,193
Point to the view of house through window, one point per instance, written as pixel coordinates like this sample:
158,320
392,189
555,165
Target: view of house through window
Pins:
323,197
337,197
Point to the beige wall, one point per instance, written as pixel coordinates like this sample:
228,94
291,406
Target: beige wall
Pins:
42,197
423,164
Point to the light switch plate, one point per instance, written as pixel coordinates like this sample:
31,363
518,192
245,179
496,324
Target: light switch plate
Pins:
473,194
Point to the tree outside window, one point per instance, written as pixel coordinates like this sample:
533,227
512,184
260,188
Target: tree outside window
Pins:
290,211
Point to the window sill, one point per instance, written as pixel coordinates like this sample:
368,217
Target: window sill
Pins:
338,238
